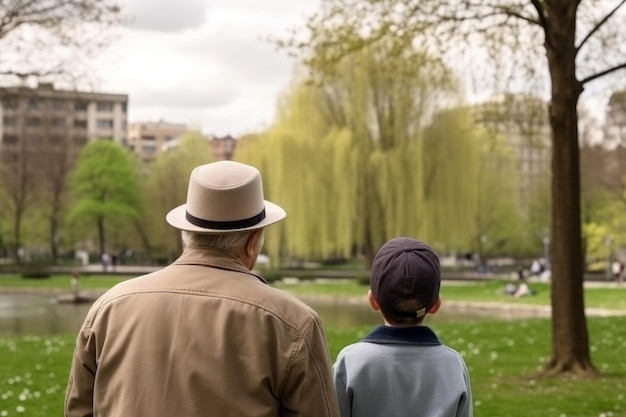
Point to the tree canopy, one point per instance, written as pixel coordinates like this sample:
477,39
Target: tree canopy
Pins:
363,154
576,42
105,186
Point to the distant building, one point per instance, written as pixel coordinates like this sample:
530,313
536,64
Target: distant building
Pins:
523,121
148,140
32,117
224,147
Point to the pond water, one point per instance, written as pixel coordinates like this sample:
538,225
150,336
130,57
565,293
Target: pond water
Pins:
35,314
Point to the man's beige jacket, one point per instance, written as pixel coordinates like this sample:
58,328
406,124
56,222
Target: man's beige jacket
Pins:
201,337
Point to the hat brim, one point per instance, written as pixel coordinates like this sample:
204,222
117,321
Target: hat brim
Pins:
178,219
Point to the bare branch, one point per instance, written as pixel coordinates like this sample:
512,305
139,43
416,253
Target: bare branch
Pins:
74,29
599,25
537,4
603,73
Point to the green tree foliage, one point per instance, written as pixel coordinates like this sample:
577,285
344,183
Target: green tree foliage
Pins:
165,187
105,186
498,211
366,153
580,41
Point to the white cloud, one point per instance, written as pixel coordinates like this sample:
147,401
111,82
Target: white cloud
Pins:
206,63
165,15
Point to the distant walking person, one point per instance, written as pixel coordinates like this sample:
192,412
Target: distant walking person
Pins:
616,269
205,336
106,261
402,369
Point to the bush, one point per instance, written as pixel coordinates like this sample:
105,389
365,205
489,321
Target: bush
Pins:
363,280
35,271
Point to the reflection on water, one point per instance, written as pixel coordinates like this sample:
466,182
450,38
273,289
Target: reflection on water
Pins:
44,315
38,315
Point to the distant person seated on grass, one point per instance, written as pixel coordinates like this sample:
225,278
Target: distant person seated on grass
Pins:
520,290
523,290
510,289
402,369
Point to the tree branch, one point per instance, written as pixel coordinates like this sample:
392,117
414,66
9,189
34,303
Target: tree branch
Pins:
542,18
599,25
603,73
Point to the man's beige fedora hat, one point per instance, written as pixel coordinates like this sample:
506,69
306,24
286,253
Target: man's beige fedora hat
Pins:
225,197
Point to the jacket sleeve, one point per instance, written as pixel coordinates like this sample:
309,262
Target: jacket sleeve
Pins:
80,385
344,396
308,388
466,406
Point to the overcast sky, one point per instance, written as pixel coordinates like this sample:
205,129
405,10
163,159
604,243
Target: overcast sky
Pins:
208,63
205,63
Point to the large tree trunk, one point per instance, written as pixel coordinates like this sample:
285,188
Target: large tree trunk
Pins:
570,341
101,238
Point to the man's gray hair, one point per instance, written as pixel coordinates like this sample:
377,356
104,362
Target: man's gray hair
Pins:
227,241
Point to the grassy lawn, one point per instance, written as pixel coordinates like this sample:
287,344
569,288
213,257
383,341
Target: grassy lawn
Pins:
60,282
481,291
477,291
503,356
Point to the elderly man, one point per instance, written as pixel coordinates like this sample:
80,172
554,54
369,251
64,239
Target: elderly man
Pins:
205,336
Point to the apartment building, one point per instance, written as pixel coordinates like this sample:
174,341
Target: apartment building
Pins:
34,117
149,140
523,121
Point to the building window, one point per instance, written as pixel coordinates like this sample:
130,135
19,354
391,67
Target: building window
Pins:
104,124
80,105
148,149
9,121
80,123
34,103
105,106
10,103
33,121
124,106
148,137
10,139
80,140
56,104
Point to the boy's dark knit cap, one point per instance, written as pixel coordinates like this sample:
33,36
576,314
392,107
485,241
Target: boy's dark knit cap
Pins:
405,269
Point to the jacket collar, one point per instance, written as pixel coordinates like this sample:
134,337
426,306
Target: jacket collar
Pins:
214,258
417,335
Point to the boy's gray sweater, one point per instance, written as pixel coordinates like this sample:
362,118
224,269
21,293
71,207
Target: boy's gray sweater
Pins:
402,372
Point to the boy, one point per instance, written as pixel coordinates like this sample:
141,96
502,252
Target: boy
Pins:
401,368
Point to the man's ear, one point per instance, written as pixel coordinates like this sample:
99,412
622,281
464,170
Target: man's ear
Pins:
435,308
373,303
252,245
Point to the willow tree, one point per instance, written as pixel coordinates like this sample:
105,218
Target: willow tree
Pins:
572,43
348,159
165,187
498,210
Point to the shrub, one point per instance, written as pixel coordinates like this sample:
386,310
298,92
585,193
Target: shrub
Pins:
35,271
